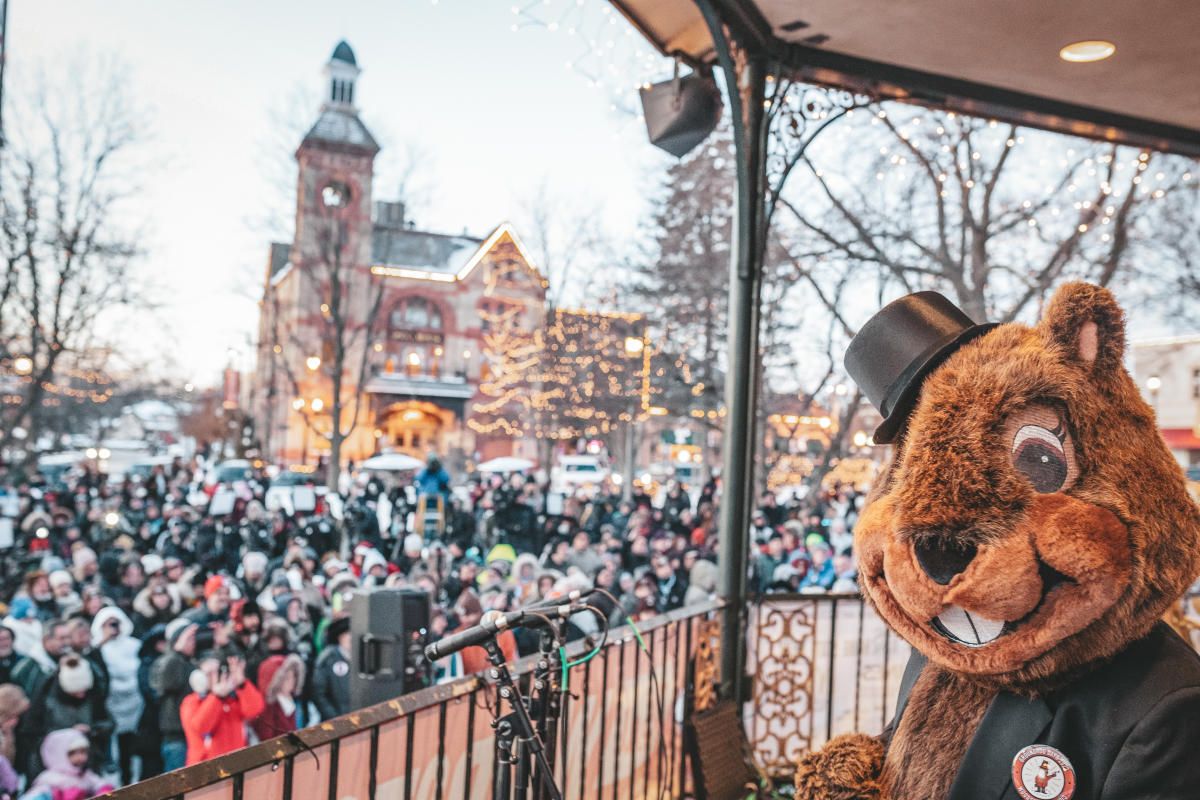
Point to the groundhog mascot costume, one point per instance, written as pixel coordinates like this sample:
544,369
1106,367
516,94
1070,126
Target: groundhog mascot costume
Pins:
1026,539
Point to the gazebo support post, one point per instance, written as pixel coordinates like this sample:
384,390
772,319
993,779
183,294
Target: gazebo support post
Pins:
745,79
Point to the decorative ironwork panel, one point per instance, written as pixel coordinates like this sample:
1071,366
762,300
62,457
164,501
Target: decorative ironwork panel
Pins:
821,665
708,661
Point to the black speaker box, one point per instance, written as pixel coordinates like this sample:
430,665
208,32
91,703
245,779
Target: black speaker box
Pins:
682,112
389,628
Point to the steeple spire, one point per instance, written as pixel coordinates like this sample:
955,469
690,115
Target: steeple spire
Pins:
342,71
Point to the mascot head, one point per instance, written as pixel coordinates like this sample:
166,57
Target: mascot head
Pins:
1032,521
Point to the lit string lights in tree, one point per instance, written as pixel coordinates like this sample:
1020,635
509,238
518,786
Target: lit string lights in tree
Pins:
581,375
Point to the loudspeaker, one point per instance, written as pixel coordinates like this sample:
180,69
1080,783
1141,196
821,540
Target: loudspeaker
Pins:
682,112
389,628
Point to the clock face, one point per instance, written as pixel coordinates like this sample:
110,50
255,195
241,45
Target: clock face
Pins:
335,195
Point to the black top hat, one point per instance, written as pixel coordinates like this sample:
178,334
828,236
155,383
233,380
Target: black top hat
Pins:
905,341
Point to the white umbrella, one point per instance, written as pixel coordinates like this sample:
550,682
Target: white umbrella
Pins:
506,464
393,462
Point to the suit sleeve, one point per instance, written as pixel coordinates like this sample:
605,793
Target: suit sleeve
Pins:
1158,760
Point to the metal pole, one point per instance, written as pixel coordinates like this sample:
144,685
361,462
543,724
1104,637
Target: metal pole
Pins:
3,59
627,471
745,83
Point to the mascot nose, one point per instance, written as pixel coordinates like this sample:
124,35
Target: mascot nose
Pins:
942,558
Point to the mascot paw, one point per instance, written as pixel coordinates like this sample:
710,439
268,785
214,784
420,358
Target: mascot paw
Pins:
847,768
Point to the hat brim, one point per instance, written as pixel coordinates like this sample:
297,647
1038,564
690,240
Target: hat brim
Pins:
891,426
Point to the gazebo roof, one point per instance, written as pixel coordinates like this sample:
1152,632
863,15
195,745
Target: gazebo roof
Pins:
984,58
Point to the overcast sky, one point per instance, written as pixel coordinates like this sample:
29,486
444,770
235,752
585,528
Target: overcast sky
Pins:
496,114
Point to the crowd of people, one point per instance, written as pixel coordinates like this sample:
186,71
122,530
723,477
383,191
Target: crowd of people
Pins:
143,631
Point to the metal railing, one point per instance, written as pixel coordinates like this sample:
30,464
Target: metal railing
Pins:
821,665
621,735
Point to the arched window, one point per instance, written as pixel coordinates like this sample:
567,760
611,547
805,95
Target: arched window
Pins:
416,313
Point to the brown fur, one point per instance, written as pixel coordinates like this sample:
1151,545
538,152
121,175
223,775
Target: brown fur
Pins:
944,710
846,768
1122,528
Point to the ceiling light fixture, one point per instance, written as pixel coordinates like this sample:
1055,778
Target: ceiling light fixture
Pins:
1087,51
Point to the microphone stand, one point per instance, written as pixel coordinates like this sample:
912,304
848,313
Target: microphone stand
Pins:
546,705
516,737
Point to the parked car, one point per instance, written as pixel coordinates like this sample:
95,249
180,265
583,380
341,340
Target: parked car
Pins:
575,473
53,467
282,494
142,469
228,472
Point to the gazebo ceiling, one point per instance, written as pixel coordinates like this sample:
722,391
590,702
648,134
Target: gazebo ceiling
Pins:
978,56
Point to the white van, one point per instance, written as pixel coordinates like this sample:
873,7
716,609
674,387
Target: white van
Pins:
574,473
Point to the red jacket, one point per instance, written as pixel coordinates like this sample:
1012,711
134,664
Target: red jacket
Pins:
214,726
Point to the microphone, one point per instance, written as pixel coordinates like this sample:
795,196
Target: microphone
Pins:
493,623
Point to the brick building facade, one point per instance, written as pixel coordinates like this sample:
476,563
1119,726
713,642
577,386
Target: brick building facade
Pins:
399,313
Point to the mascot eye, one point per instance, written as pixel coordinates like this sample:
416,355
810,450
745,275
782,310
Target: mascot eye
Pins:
1038,453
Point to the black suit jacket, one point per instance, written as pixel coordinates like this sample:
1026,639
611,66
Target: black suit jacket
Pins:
1130,728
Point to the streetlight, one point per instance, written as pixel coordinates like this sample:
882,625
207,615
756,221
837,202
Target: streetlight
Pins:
298,403
317,404
1154,383
313,363
22,365
634,345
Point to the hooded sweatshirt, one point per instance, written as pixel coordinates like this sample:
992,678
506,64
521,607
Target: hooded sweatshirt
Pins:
121,658
60,780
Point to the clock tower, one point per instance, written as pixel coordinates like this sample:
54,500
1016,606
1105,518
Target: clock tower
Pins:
336,159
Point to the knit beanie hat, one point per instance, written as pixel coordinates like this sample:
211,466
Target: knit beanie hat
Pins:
74,675
213,585
60,577
175,629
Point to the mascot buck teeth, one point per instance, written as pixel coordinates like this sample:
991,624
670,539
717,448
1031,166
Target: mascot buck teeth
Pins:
1027,537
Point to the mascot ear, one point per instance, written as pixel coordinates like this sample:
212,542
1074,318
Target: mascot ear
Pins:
1085,324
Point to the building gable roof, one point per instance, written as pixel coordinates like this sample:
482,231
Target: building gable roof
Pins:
399,253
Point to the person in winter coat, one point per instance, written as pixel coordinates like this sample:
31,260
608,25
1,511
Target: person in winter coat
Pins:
169,681
71,700
66,776
112,635
702,583
280,680
13,703
63,587
148,736
331,678
157,604
216,713
276,640
10,659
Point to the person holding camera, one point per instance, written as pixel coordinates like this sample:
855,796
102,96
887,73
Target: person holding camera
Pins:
169,682
222,702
